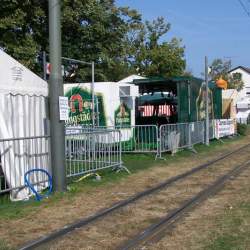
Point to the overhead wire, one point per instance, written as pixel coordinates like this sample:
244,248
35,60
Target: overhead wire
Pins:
244,7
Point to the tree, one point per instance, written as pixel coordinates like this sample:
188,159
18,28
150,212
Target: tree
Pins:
153,57
113,37
92,30
188,73
23,29
95,30
220,68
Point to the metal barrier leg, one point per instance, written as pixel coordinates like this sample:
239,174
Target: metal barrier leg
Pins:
190,145
122,167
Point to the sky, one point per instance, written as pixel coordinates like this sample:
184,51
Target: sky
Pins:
214,28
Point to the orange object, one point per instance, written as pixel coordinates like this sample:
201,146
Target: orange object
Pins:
221,83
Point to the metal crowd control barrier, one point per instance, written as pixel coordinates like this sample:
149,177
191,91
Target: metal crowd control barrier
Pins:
197,132
92,149
180,135
211,130
173,136
17,156
135,139
139,139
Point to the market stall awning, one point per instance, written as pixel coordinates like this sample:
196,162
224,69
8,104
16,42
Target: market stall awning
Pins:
161,84
156,99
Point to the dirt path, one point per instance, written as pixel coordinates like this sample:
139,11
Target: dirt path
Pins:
50,217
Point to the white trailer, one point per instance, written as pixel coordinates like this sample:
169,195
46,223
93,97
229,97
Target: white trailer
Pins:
111,98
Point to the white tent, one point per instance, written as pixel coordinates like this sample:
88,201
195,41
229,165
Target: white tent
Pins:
23,113
131,78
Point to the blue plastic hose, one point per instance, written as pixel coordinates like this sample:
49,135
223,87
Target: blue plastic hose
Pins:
31,186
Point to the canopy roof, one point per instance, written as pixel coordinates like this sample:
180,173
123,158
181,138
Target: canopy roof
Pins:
131,78
161,84
17,79
156,99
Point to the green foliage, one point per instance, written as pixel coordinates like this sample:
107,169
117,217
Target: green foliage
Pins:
241,129
115,38
221,68
22,24
155,58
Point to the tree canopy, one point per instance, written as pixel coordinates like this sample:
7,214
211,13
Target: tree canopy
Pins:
220,68
115,38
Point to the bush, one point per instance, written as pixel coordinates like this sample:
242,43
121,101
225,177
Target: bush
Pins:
241,129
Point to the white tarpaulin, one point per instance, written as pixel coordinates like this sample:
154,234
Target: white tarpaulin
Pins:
224,127
243,116
243,105
23,113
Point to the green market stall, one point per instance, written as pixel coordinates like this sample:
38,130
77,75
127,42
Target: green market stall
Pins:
184,95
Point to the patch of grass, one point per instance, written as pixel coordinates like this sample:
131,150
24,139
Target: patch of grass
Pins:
242,129
134,162
234,231
4,246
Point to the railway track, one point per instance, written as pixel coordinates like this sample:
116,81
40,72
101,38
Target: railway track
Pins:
158,230
154,230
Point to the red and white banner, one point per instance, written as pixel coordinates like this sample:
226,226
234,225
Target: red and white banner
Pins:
148,110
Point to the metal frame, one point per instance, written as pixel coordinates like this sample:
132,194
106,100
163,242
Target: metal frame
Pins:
89,150
189,134
137,138
26,153
92,64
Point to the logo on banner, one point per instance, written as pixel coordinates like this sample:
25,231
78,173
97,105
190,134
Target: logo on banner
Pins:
122,116
17,73
80,107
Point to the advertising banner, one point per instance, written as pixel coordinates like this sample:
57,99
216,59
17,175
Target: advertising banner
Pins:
80,107
224,127
122,116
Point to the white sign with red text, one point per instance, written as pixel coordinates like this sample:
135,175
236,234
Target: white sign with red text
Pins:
63,108
224,127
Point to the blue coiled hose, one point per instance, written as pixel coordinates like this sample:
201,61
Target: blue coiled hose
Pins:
31,187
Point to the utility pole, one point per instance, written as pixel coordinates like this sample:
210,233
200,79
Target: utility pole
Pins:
93,92
207,114
44,66
57,130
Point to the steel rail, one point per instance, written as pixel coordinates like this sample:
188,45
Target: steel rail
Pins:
153,230
106,211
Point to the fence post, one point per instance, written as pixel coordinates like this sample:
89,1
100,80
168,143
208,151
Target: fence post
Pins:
120,148
189,136
203,124
158,142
